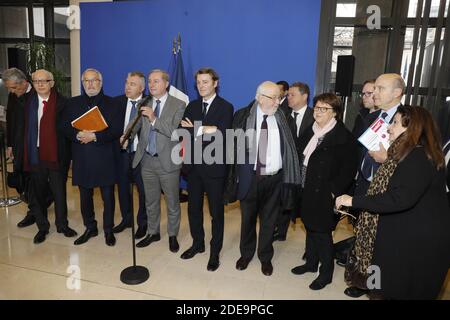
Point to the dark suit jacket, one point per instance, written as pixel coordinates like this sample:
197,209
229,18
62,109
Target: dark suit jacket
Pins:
307,121
220,114
284,106
15,130
331,169
94,164
240,175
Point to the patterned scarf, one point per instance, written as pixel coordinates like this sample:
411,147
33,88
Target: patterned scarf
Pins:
360,256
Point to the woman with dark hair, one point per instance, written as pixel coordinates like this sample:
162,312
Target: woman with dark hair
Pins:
328,168
404,233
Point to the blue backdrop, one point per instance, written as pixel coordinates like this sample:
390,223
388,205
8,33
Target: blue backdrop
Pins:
246,42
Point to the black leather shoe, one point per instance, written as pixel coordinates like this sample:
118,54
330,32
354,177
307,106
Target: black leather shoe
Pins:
173,244
213,263
148,239
266,268
242,263
191,252
27,221
278,236
303,269
86,236
40,237
110,240
318,284
141,232
68,232
121,226
355,292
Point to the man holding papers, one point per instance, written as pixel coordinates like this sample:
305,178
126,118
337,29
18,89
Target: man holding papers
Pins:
94,154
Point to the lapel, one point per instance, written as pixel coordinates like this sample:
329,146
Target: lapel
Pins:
167,106
306,121
212,108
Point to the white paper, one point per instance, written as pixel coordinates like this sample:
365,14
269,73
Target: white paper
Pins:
376,133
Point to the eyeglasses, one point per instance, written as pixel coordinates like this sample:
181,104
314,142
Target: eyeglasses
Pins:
271,98
91,80
40,81
366,94
321,109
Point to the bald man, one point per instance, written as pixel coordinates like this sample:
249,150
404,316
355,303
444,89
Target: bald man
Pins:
270,170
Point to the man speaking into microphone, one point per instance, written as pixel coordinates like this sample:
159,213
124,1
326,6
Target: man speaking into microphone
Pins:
160,118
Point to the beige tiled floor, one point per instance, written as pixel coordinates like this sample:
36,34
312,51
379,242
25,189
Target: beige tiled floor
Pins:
42,271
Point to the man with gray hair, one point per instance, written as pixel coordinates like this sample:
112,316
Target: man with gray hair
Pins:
267,181
46,154
19,90
94,154
134,92
160,118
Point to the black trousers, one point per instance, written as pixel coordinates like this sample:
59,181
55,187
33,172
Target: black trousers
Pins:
282,225
198,184
42,181
263,200
87,207
319,248
128,176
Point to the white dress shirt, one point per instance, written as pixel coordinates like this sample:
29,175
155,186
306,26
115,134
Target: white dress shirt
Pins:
391,112
274,161
209,101
301,114
127,119
40,113
163,100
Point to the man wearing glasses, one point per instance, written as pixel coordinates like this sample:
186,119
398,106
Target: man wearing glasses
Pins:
362,122
264,182
46,154
94,154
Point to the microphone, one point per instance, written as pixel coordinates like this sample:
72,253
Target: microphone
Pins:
144,101
141,103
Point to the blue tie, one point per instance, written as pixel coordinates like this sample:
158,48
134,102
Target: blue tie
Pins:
369,165
133,113
152,134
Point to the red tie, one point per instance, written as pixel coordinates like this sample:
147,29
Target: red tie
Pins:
45,106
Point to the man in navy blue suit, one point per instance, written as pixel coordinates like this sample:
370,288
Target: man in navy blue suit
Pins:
134,88
94,154
215,115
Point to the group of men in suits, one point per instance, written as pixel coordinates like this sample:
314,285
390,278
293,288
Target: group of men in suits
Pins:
98,160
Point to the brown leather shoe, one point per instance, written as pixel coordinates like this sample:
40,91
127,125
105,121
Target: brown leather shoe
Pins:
266,268
242,263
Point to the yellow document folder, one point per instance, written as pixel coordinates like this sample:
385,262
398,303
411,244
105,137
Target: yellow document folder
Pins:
92,120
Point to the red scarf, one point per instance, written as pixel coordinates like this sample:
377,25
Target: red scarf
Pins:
48,142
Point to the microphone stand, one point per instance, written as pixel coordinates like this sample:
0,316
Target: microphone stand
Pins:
134,274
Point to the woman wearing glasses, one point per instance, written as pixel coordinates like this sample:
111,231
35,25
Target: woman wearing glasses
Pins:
328,168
